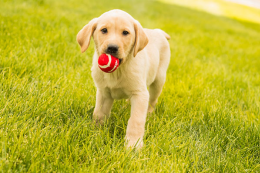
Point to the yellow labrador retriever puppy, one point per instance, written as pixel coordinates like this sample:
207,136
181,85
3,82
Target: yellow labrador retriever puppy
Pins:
144,56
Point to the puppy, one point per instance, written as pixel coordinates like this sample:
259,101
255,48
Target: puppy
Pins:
144,56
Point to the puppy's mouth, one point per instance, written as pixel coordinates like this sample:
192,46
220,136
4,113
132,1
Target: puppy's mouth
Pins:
116,56
120,60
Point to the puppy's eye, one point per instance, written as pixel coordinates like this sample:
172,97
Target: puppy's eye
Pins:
104,30
125,32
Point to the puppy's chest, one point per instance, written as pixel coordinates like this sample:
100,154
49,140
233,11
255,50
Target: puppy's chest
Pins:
116,88
114,84
112,81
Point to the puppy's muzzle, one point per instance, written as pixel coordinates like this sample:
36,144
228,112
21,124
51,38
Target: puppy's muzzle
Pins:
112,49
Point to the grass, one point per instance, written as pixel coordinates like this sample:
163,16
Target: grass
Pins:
207,118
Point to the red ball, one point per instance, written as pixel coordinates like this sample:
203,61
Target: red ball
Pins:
108,63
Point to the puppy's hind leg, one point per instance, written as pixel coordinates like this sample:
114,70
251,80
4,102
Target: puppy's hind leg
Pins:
155,90
156,87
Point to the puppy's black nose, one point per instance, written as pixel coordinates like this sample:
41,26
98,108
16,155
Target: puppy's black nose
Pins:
112,49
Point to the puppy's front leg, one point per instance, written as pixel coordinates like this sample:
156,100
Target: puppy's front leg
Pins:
103,106
136,124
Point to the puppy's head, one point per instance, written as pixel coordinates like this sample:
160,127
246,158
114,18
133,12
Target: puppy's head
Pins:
115,32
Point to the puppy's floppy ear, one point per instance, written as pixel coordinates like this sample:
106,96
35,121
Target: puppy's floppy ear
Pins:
141,39
85,34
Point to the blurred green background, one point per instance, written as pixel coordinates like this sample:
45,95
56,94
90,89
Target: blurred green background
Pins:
207,118
247,10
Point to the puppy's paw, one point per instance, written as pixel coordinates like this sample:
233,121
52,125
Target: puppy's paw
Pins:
99,120
133,143
99,123
150,109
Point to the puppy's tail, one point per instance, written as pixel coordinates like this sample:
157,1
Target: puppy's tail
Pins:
165,34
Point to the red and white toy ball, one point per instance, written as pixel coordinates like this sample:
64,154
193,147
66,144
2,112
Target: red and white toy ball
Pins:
108,63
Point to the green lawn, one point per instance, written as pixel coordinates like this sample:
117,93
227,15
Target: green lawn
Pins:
207,118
